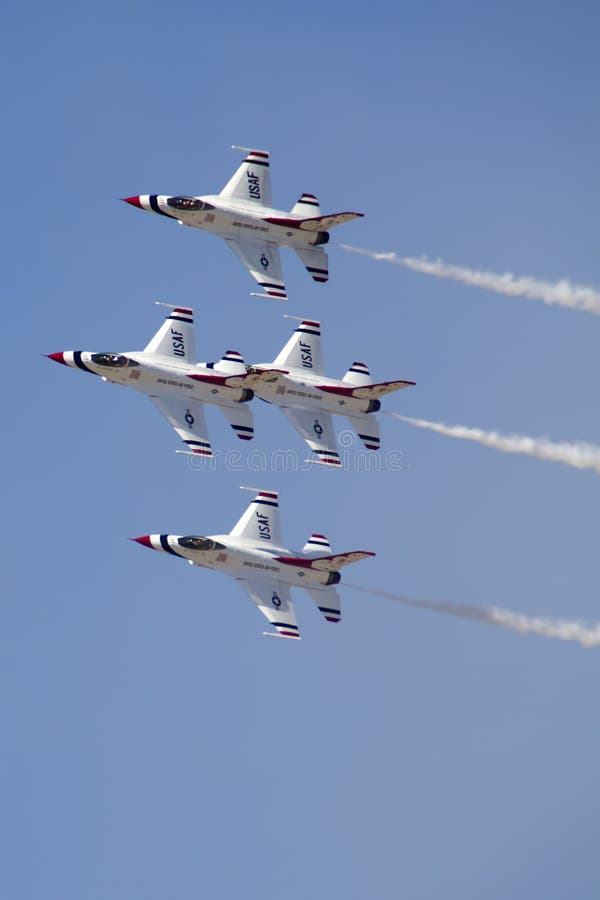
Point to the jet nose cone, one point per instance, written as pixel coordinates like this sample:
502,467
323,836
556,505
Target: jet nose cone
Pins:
57,357
144,540
135,201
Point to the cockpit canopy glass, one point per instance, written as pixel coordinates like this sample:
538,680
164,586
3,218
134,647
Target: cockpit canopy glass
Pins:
114,360
199,543
189,204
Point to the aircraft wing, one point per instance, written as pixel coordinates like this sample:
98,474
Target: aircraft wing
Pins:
187,418
274,599
261,258
251,181
316,427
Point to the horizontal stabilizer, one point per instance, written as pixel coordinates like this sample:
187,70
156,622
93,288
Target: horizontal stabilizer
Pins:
314,223
367,428
322,223
231,362
327,601
317,545
307,206
358,375
238,381
257,375
325,563
367,392
240,419
316,262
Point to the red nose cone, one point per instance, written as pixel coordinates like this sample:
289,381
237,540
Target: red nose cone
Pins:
144,540
58,357
135,201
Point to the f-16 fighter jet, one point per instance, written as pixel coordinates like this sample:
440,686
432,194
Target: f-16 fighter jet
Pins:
242,214
253,554
166,370
295,382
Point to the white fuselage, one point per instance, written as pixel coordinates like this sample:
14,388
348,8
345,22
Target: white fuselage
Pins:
152,374
236,219
241,558
299,387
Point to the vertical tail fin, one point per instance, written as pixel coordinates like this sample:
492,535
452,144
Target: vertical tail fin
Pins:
175,337
303,350
358,375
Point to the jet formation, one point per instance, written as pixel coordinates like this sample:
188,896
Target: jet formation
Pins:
243,215
167,372
253,553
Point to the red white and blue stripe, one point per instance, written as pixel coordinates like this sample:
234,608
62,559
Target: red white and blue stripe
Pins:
308,326
359,368
328,457
371,441
287,629
257,158
244,432
316,542
182,314
267,498
331,614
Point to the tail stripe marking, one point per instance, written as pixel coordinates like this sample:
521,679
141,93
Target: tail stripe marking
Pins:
329,613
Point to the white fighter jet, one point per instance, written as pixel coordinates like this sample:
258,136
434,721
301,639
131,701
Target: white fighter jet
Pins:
253,554
295,382
166,370
243,215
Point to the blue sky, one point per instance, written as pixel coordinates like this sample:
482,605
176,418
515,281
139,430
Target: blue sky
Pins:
153,742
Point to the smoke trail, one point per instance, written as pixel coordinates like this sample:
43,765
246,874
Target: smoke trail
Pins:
561,629
580,455
559,293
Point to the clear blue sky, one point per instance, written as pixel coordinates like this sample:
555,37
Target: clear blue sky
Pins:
153,743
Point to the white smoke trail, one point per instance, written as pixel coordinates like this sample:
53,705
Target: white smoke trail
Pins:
559,293
561,629
580,455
